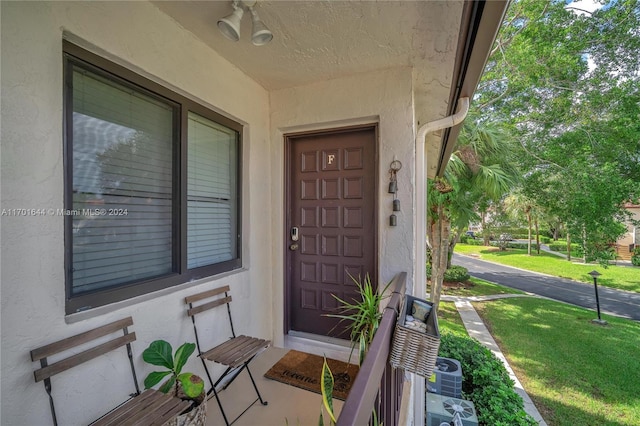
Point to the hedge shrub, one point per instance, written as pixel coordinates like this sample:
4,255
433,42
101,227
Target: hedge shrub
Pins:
513,245
485,382
456,274
557,247
576,249
635,257
453,274
543,239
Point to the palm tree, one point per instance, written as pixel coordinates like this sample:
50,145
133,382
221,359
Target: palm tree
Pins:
479,170
517,203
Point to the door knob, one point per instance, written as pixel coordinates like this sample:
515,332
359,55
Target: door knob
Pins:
293,247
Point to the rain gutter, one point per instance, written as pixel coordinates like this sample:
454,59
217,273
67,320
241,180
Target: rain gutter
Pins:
480,23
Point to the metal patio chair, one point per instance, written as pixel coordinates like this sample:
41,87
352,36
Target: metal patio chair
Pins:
235,354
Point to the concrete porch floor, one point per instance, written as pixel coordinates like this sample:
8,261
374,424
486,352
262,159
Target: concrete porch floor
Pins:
288,405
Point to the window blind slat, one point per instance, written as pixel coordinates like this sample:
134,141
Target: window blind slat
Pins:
211,211
122,160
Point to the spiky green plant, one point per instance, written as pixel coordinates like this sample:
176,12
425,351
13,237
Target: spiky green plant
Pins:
326,388
159,353
364,315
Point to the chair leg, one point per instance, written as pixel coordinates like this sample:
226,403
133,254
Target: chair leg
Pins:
204,364
236,373
224,416
254,386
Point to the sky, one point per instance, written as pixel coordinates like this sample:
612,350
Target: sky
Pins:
585,6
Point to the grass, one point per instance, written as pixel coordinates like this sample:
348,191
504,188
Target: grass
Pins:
576,372
620,277
449,319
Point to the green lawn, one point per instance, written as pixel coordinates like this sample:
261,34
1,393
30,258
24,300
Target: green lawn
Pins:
449,319
613,276
576,372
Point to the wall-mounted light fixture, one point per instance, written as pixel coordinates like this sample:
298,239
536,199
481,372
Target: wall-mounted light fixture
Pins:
229,26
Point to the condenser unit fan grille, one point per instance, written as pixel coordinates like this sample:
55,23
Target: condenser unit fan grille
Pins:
464,408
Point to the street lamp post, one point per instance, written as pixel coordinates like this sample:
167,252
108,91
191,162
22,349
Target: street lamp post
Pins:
595,275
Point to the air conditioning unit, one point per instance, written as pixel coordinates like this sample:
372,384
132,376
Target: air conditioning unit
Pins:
446,378
442,409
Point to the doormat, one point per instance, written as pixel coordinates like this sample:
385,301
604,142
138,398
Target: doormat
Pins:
304,371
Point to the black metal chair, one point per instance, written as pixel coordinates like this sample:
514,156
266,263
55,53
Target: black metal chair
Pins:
235,354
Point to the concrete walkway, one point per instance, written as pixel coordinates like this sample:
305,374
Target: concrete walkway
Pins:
476,329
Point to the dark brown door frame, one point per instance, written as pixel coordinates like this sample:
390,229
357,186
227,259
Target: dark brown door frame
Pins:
288,137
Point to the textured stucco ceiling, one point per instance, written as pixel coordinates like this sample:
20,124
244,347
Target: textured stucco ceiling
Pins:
319,40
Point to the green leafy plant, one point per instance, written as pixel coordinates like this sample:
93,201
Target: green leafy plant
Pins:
485,381
364,315
456,274
635,257
326,388
185,385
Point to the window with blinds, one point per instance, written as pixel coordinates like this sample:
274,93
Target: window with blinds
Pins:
122,184
136,221
211,192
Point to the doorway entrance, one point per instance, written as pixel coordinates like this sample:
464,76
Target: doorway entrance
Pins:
330,224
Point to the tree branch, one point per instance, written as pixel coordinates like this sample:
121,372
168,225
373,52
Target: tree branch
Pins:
577,8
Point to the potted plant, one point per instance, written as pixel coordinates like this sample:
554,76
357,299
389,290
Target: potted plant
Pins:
364,315
186,386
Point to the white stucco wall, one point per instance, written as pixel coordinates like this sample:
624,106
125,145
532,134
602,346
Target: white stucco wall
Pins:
139,36
382,97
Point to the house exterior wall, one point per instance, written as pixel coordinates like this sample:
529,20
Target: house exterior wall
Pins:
632,236
382,97
139,36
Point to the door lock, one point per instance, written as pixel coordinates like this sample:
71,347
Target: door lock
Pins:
294,233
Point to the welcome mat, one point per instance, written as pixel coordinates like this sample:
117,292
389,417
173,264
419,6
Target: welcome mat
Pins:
304,371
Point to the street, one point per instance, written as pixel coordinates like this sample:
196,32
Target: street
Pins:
612,302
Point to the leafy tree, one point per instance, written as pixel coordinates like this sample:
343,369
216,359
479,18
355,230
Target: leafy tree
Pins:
479,170
519,204
567,85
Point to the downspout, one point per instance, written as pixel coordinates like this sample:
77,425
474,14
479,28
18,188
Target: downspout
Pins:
420,281
420,277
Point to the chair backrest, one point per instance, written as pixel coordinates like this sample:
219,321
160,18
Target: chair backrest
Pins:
210,299
46,371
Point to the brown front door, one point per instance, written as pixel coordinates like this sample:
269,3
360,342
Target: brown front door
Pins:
331,229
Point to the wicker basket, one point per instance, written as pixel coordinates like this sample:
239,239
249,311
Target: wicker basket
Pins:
414,350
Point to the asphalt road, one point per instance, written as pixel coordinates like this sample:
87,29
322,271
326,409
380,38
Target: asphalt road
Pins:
614,302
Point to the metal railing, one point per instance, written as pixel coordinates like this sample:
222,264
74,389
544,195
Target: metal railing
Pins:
378,387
